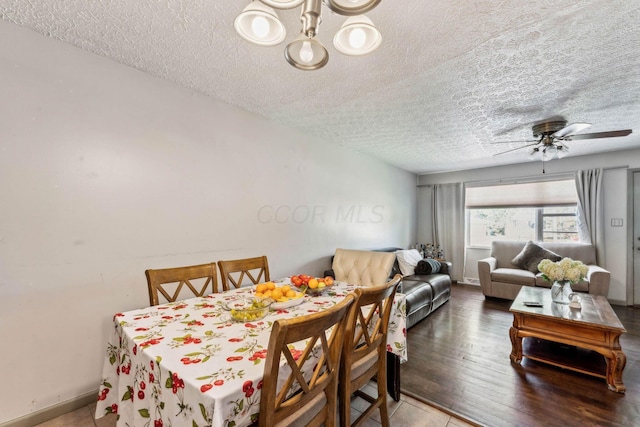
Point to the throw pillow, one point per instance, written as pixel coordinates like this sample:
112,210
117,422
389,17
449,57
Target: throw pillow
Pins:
531,255
435,265
423,267
407,261
427,266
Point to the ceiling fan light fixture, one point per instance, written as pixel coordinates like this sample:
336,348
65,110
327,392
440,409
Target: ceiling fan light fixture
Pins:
357,36
549,153
259,24
533,153
562,151
306,53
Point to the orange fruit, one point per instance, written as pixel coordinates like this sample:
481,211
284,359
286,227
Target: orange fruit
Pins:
285,289
291,294
271,286
276,294
313,283
261,288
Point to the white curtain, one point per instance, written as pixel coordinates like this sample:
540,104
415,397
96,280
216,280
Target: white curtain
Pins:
425,214
448,224
590,210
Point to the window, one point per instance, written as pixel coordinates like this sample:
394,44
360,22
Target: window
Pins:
539,211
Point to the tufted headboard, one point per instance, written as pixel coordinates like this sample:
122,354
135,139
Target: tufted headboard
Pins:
366,268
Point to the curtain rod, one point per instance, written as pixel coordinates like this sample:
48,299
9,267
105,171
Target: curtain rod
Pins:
531,177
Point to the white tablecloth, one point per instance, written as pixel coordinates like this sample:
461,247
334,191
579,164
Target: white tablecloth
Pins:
187,364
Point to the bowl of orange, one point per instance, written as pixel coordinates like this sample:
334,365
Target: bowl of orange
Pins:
317,286
279,294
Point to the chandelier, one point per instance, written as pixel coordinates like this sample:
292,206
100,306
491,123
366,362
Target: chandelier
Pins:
258,23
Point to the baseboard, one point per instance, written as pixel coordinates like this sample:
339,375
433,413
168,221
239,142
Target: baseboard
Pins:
54,411
617,302
469,282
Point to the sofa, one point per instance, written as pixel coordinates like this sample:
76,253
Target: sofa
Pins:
501,278
424,292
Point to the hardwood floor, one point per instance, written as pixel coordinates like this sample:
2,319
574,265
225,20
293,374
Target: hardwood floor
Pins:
459,362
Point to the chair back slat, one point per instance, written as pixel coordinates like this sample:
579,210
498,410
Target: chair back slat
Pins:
234,272
169,282
309,400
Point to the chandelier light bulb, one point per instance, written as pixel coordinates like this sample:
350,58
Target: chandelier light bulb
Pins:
552,152
306,53
259,24
357,38
260,27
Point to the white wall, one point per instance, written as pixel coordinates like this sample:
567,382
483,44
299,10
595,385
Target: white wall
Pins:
616,165
106,172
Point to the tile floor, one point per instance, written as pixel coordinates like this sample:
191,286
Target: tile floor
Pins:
408,412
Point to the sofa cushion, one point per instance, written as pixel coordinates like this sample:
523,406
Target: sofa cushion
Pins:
407,260
513,275
531,255
417,293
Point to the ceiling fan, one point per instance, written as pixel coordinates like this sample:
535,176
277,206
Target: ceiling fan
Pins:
552,135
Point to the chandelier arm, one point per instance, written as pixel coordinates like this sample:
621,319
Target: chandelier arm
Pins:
311,17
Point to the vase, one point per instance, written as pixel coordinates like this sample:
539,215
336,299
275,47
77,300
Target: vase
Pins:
561,291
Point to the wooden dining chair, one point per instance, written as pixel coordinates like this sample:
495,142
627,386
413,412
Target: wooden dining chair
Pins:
307,394
234,272
365,352
171,281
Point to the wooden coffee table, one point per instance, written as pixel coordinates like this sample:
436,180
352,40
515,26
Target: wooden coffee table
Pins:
594,327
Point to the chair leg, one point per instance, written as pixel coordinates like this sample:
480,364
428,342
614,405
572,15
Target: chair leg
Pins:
393,376
344,403
382,394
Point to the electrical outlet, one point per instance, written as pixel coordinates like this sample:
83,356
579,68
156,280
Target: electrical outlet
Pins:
616,222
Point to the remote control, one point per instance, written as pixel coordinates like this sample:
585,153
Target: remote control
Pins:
533,304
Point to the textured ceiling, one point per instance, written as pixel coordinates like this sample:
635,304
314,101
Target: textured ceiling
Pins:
450,78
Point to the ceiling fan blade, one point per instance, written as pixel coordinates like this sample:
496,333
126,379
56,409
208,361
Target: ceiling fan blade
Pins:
612,134
514,142
571,129
518,148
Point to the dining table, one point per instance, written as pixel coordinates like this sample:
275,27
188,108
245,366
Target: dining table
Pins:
188,363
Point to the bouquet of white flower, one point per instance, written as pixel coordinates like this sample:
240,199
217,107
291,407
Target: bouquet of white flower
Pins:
564,270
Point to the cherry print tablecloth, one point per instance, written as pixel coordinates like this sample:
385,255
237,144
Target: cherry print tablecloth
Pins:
187,364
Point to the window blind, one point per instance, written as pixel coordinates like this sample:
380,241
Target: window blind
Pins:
531,194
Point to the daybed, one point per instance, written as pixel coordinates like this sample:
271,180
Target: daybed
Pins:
500,277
